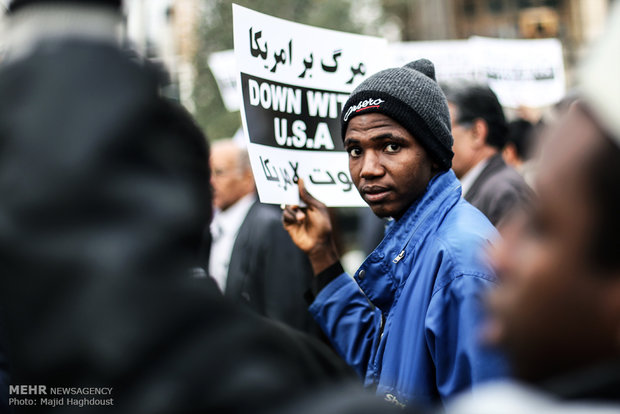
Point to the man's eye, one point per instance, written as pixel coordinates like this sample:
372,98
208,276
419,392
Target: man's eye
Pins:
354,152
392,147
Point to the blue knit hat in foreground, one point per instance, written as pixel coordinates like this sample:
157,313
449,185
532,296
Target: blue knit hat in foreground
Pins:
411,96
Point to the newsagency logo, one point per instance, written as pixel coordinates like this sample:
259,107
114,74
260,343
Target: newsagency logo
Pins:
27,390
42,395
365,104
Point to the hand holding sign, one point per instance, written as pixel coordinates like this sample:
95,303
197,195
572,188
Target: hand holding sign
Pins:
311,230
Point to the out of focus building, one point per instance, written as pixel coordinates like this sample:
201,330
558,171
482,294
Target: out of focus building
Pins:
575,22
165,31
3,6
185,15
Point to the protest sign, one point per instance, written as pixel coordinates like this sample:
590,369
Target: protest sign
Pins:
294,81
521,72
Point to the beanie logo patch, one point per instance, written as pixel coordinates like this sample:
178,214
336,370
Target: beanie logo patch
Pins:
365,104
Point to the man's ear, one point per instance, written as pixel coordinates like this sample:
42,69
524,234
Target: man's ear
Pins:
480,130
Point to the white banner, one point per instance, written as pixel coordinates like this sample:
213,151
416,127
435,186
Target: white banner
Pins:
521,72
294,81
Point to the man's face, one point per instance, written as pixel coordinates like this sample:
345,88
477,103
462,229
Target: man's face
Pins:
463,147
229,181
388,166
550,308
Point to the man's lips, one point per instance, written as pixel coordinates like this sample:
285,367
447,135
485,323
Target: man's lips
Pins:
375,194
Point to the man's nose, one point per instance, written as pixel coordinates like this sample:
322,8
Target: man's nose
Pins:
371,166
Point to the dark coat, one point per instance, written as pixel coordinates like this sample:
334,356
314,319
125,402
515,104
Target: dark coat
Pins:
598,382
267,272
498,190
4,373
104,192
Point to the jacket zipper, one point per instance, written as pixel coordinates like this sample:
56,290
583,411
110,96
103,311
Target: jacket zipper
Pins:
399,257
415,229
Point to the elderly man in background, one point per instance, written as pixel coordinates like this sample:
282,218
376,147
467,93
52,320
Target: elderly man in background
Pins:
252,259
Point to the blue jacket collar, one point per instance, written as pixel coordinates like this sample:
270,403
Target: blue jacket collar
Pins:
380,278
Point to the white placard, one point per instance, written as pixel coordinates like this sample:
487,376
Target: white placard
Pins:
223,65
294,81
522,72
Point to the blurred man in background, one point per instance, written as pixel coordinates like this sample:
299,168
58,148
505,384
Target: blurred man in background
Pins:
480,132
519,145
521,148
557,312
253,260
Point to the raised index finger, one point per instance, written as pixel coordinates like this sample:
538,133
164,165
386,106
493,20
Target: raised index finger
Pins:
306,197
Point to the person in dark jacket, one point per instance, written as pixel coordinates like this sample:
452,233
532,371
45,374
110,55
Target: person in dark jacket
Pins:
480,132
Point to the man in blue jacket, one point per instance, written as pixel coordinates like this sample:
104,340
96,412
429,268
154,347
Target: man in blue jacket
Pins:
409,320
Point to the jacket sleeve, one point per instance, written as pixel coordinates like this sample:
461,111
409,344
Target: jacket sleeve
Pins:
452,326
349,320
508,192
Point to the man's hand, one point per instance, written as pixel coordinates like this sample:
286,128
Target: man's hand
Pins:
311,230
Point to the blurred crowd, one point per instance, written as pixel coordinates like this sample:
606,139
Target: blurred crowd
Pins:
136,256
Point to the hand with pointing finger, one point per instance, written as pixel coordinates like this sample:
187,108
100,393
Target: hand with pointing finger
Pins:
310,229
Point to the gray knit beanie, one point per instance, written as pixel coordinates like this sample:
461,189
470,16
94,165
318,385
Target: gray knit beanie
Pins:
411,96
